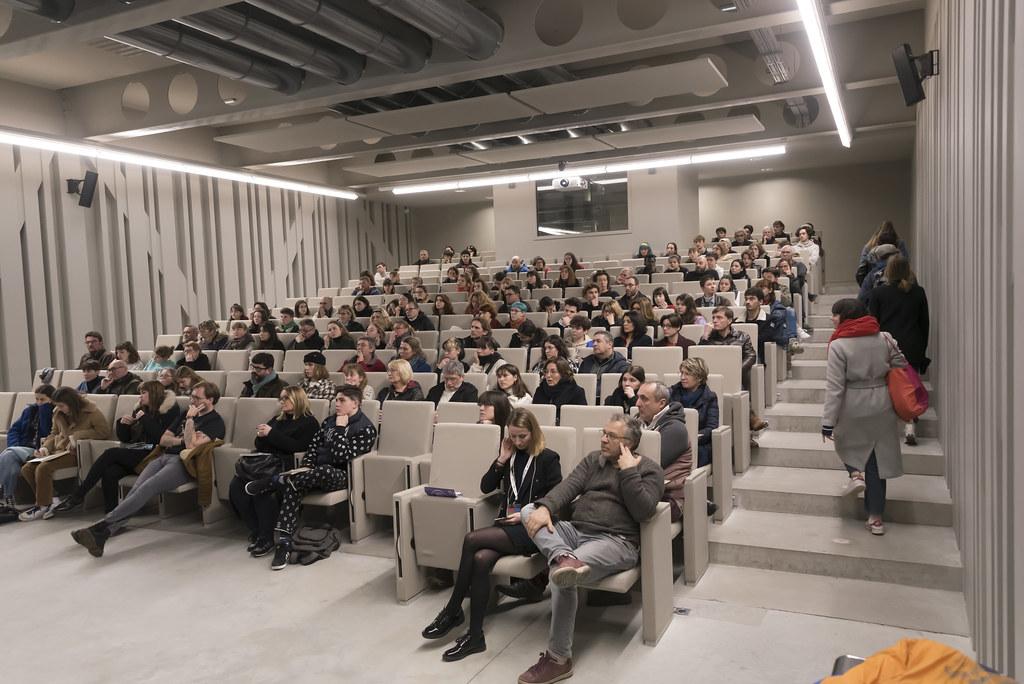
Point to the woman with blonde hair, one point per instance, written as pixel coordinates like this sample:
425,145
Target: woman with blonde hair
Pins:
355,376
401,386
692,391
525,470
286,434
381,319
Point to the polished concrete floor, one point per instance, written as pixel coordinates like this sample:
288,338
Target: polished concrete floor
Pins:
174,602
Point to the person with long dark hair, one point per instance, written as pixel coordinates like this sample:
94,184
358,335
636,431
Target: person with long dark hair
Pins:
525,470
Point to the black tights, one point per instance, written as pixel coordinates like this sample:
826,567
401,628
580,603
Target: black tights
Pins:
481,549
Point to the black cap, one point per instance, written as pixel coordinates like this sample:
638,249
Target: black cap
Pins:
315,357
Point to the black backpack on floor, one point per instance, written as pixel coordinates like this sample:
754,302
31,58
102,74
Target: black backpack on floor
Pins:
311,544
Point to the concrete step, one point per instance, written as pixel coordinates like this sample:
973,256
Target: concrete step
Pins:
911,499
806,450
914,555
820,320
813,351
789,417
808,370
821,335
813,391
881,603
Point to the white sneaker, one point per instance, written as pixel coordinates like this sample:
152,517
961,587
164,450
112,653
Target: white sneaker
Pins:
854,486
875,526
803,334
34,513
49,511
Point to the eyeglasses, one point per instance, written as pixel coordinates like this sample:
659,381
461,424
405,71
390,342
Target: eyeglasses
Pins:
612,435
258,368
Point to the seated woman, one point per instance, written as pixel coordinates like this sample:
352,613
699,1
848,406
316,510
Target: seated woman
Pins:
511,383
127,352
287,433
693,392
167,378
411,350
525,470
257,318
316,380
367,346
347,317
558,388
624,396
488,360
671,335
566,278
478,329
686,307
161,359
555,348
494,409
401,386
267,338
23,438
401,331
210,336
185,379
451,276
662,299
74,418
341,438
452,350
355,376
528,335
646,310
442,305
239,340
200,426
338,337
634,333
611,315
237,313
138,431
577,339
361,308
195,358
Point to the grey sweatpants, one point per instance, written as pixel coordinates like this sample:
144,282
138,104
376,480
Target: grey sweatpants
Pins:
162,474
606,554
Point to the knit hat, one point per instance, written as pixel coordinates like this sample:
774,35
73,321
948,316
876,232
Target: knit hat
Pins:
518,305
315,357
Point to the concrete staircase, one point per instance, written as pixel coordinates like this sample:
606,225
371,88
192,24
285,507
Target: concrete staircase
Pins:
793,529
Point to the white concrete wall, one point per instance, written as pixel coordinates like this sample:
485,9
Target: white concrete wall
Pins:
968,193
457,225
845,204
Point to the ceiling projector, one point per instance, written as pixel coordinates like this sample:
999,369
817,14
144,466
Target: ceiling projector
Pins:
568,183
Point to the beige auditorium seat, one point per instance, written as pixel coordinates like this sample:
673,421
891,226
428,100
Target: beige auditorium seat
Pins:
457,412
588,381
71,378
503,336
216,378
428,339
658,360
429,530
757,373
582,417
168,340
232,360
609,383
734,402
91,449
233,382
406,433
9,412
293,360
515,356
378,381
249,413
55,380
531,380
336,359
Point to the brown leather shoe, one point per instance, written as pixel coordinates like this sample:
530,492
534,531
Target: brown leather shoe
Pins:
546,671
569,571
756,424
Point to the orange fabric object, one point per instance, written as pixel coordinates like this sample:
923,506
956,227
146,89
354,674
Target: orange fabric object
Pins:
918,661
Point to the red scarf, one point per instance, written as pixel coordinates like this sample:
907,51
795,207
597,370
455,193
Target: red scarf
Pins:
856,327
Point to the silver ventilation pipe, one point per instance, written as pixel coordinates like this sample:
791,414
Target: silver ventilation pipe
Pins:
231,26
54,10
169,42
455,23
357,26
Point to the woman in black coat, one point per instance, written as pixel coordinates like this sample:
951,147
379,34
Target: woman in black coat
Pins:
558,388
526,471
692,391
286,434
624,396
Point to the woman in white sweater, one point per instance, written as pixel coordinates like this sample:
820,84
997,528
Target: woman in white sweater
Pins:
511,383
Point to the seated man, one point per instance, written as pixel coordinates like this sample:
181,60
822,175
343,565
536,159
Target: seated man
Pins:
190,333
658,412
709,290
617,491
263,382
453,385
288,324
633,293
569,310
417,321
380,274
200,425
119,380
366,287
95,351
513,295
771,324
424,258
210,336
308,338
517,265
720,332
604,359
674,266
326,308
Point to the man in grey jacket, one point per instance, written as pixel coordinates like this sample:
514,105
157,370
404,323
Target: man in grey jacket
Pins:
604,359
616,491
657,413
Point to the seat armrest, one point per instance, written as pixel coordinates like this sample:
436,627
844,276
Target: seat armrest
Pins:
656,573
771,373
410,579
738,412
721,471
757,391
695,526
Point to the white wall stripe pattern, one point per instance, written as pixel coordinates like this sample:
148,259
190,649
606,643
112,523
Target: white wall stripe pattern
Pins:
158,249
966,207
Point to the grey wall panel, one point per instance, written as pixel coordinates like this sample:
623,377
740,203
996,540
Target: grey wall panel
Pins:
157,249
964,167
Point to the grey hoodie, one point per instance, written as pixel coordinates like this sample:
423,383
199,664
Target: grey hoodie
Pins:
675,440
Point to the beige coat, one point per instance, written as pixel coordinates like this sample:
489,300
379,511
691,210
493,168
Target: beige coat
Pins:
91,424
857,403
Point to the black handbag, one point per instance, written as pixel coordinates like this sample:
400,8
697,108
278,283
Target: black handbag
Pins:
250,467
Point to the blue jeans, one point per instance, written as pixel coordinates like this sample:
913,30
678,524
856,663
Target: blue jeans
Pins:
790,323
11,461
606,554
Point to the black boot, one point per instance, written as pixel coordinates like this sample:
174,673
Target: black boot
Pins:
260,486
465,645
444,623
93,538
69,503
284,549
530,591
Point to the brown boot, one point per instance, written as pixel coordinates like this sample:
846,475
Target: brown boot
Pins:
756,424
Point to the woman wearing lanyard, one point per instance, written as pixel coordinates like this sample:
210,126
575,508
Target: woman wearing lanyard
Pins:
526,472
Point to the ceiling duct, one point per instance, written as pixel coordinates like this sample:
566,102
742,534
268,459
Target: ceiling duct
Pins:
172,43
54,10
357,26
455,23
231,26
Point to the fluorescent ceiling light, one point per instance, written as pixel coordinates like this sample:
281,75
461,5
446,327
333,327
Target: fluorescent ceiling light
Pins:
814,25
639,165
93,151
611,181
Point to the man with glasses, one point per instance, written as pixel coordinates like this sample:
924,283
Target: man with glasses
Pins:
263,382
119,380
308,338
189,333
200,425
453,386
633,293
671,334
617,491
95,351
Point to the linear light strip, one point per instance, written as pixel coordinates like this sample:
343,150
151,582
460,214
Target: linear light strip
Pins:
814,25
92,151
683,160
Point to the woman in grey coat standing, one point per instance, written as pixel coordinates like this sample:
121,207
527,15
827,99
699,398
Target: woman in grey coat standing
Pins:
858,414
